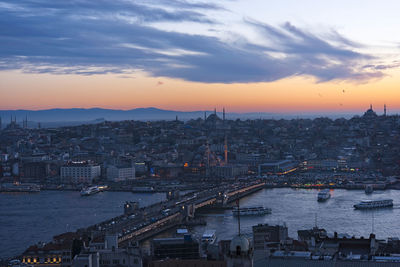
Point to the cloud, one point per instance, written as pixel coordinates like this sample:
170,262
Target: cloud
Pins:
96,37
393,65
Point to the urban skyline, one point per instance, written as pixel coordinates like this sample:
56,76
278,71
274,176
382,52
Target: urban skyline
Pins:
226,133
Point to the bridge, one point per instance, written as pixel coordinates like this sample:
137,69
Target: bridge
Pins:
181,211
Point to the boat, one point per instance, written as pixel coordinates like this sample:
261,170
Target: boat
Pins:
374,204
143,189
90,191
209,237
18,187
369,189
251,211
324,195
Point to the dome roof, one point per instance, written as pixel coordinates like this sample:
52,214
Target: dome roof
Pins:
239,241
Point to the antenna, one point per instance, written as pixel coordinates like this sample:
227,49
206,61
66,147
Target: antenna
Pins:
238,208
315,222
372,222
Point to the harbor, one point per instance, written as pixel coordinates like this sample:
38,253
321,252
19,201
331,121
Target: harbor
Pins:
50,213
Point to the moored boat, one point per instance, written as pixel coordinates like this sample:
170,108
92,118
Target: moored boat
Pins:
324,195
374,204
18,187
251,211
143,189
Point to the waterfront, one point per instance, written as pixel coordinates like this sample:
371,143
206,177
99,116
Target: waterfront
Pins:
26,218
298,208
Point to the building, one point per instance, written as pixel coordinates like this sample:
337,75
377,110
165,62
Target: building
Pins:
104,252
264,234
50,254
370,113
87,260
35,170
175,248
120,173
240,252
187,263
82,172
277,167
227,171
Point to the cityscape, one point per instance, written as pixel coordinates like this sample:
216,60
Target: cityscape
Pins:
199,133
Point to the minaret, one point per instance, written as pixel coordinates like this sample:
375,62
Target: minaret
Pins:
0,124
384,110
226,151
215,111
205,115
370,106
223,114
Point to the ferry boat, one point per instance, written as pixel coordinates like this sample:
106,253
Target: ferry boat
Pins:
251,211
373,204
90,191
18,187
324,195
208,237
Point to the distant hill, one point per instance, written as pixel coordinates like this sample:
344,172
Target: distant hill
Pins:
75,116
80,114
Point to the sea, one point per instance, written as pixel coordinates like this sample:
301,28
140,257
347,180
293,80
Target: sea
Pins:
29,218
26,219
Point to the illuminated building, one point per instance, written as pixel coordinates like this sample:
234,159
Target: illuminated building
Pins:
277,167
80,172
51,254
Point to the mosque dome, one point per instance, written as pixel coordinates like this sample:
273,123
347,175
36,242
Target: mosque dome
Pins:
239,245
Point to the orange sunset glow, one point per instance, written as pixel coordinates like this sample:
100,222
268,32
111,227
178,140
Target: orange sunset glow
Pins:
295,94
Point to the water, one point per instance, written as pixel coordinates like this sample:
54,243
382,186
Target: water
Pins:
298,209
26,219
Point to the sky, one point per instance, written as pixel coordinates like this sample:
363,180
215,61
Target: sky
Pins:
245,55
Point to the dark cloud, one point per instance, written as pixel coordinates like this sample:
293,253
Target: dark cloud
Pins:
393,65
94,37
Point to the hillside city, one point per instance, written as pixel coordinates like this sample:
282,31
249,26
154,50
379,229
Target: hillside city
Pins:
206,163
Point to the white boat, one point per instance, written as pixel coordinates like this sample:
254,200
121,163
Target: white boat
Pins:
324,195
373,204
208,237
90,191
251,211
